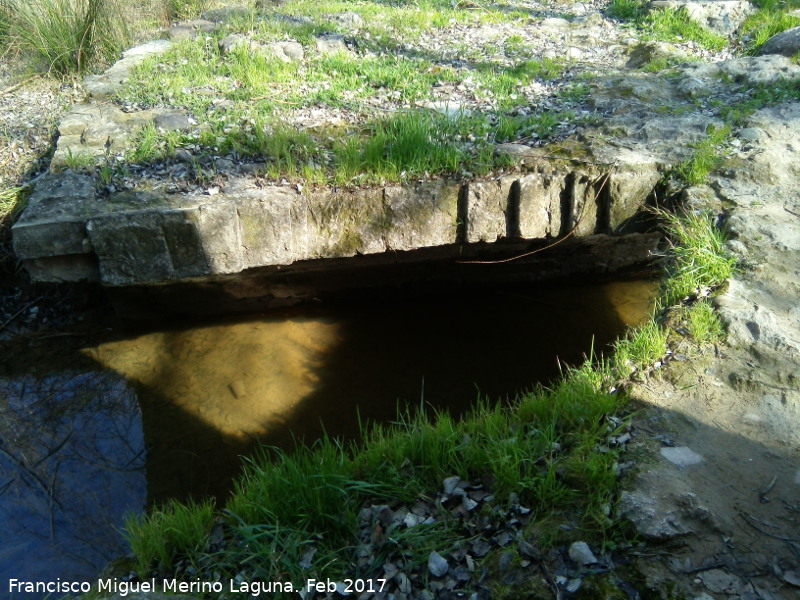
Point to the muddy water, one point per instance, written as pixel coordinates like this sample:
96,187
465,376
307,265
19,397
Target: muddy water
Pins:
209,392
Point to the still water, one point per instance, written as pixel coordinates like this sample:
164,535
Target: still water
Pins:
209,392
77,451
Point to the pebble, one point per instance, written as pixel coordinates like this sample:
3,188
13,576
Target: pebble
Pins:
582,554
437,564
681,456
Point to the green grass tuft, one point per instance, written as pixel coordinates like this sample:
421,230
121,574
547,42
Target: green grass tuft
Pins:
764,24
700,261
67,36
173,531
706,156
703,323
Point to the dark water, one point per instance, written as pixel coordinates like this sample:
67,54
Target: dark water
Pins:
209,392
72,440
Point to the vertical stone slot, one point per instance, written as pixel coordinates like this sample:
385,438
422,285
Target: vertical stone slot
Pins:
602,193
513,212
462,214
567,205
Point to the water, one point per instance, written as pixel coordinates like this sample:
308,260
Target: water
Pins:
209,392
72,437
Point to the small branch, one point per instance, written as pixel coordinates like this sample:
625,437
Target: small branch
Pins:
16,86
751,520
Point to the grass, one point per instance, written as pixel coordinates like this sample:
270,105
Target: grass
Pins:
706,156
702,322
700,262
770,20
665,25
175,528
65,36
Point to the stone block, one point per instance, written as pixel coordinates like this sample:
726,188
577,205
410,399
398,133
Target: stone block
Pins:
53,224
151,246
272,226
421,216
540,204
346,223
586,203
487,203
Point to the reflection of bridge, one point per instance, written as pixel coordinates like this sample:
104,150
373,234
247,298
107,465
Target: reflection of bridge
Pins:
128,239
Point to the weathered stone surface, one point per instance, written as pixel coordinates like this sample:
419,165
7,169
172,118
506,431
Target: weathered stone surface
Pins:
487,205
720,16
424,216
89,132
331,44
644,53
110,82
287,51
346,223
540,204
273,226
54,222
348,20
188,30
173,121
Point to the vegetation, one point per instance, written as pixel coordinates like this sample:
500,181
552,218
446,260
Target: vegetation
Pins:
700,263
706,156
665,24
66,36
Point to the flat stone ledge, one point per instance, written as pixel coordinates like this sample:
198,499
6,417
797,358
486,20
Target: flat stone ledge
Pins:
137,238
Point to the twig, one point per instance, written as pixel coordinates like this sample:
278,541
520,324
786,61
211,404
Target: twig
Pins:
751,520
16,86
19,312
706,568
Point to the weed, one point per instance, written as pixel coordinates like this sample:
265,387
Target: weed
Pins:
172,531
80,161
640,349
69,36
10,205
671,25
627,10
700,262
703,323
706,156
178,10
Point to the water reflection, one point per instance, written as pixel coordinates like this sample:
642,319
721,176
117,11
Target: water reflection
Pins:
71,465
207,393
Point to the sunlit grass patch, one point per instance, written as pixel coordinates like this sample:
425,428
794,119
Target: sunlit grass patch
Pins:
706,156
764,24
700,262
66,36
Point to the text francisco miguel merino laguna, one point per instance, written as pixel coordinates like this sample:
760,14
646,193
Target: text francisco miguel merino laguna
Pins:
253,588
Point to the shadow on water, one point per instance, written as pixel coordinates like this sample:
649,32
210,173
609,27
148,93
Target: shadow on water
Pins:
209,392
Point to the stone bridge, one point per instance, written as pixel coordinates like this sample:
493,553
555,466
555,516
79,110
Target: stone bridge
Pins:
69,232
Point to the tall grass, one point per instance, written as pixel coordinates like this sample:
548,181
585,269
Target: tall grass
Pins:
67,36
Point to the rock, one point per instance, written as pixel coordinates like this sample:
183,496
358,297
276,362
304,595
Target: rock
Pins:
786,43
646,53
554,23
581,554
720,582
681,456
231,42
111,81
174,121
287,51
331,44
720,16
188,30
437,565
348,20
